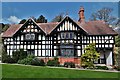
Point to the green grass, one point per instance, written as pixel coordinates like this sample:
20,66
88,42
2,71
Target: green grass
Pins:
18,71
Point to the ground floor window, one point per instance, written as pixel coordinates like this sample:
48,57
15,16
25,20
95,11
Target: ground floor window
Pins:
31,51
100,61
67,52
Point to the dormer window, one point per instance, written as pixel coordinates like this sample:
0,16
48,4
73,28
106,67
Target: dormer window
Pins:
30,36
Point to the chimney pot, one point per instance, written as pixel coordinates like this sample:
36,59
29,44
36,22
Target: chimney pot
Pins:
81,14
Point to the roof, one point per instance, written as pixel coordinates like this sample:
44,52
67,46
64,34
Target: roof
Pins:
90,27
47,27
12,30
97,28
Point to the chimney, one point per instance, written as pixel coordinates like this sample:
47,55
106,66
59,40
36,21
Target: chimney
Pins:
81,14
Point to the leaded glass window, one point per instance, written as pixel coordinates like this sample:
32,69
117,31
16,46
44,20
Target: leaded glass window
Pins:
67,50
30,36
67,35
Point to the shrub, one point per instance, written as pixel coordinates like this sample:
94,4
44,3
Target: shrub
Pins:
53,63
6,58
84,66
55,58
116,67
19,55
27,60
90,56
102,67
38,62
69,64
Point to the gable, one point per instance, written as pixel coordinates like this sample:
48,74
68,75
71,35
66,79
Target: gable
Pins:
67,24
31,26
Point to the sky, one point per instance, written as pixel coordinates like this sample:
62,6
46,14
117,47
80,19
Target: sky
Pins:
13,12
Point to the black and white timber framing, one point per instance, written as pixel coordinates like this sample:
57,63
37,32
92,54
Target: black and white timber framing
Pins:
66,39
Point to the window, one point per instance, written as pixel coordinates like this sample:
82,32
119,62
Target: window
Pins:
30,36
30,51
67,50
67,35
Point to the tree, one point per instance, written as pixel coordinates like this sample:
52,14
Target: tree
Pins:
58,18
19,54
117,41
90,56
5,27
6,58
117,50
22,21
41,19
103,14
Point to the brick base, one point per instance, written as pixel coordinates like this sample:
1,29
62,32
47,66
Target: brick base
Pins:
74,60
64,59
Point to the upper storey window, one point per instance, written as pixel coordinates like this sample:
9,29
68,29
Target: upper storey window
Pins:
67,35
30,36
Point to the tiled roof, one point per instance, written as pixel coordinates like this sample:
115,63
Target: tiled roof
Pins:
47,27
97,28
91,27
11,30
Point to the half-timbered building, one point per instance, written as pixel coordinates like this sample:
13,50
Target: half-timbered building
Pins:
66,39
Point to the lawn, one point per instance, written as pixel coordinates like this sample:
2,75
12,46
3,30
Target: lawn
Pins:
18,71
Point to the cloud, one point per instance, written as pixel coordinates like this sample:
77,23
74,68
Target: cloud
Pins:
14,19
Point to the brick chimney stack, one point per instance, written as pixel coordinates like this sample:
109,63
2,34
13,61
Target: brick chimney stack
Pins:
81,14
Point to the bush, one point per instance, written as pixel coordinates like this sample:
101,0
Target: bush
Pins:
53,63
84,66
19,55
69,64
38,62
117,68
102,67
27,60
6,58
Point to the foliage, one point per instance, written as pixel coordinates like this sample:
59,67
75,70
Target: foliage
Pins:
90,56
117,50
53,62
22,21
6,58
40,19
5,28
19,54
58,18
116,67
102,67
103,14
27,60
117,41
69,64
38,62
